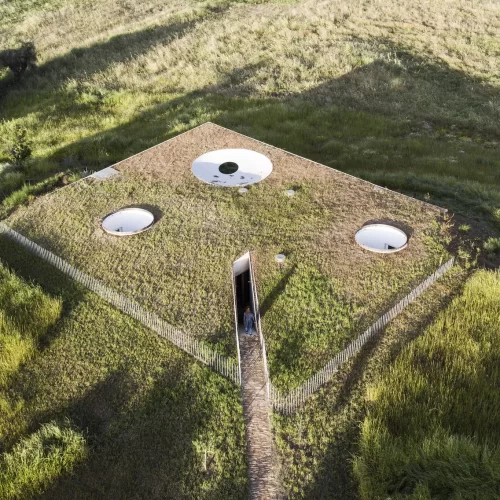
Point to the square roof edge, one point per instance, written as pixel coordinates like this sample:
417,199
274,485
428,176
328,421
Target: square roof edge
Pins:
442,210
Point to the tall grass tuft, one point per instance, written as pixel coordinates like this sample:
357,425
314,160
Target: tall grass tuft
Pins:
26,313
433,429
39,459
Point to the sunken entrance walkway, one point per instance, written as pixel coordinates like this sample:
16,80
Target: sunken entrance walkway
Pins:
258,425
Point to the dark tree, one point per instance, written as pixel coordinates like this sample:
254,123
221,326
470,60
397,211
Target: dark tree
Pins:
19,60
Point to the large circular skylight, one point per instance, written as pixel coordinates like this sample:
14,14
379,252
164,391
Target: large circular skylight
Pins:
128,221
232,167
381,238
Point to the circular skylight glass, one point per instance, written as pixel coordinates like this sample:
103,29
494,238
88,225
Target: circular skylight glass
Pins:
381,238
280,258
128,221
232,167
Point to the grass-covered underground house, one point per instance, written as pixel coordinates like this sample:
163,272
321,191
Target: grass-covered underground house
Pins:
325,293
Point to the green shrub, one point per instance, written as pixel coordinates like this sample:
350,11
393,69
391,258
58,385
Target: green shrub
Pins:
19,60
38,460
492,245
433,429
20,149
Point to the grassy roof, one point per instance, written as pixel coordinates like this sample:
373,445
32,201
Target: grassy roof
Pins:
326,293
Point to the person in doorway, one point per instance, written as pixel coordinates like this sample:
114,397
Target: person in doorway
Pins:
248,320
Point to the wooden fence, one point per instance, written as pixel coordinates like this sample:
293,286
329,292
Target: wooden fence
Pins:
222,364
289,403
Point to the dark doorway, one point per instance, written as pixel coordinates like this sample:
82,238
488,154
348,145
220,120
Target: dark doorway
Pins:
243,293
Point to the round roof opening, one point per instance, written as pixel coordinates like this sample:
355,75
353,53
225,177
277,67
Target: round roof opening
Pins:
280,258
232,167
381,238
228,168
127,221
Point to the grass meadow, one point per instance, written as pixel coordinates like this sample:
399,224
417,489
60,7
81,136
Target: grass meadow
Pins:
143,415
431,430
400,93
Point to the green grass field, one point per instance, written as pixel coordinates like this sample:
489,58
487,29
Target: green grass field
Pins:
148,413
432,428
181,268
400,93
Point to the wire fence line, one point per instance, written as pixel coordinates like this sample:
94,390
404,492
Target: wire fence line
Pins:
222,364
289,403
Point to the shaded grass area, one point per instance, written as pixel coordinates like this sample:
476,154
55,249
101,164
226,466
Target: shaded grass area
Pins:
26,314
149,412
432,426
36,461
317,445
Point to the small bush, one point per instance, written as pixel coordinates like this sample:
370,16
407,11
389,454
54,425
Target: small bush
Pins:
38,460
21,149
492,245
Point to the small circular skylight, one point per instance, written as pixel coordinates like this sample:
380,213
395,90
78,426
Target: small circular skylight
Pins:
128,221
280,258
381,238
232,167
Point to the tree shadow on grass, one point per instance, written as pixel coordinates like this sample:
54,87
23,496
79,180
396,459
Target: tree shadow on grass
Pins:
344,398
322,122
34,269
88,61
145,447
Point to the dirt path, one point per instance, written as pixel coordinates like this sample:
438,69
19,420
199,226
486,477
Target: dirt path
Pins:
257,418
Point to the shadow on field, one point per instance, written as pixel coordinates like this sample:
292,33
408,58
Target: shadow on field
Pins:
33,269
142,448
345,399
88,61
321,123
